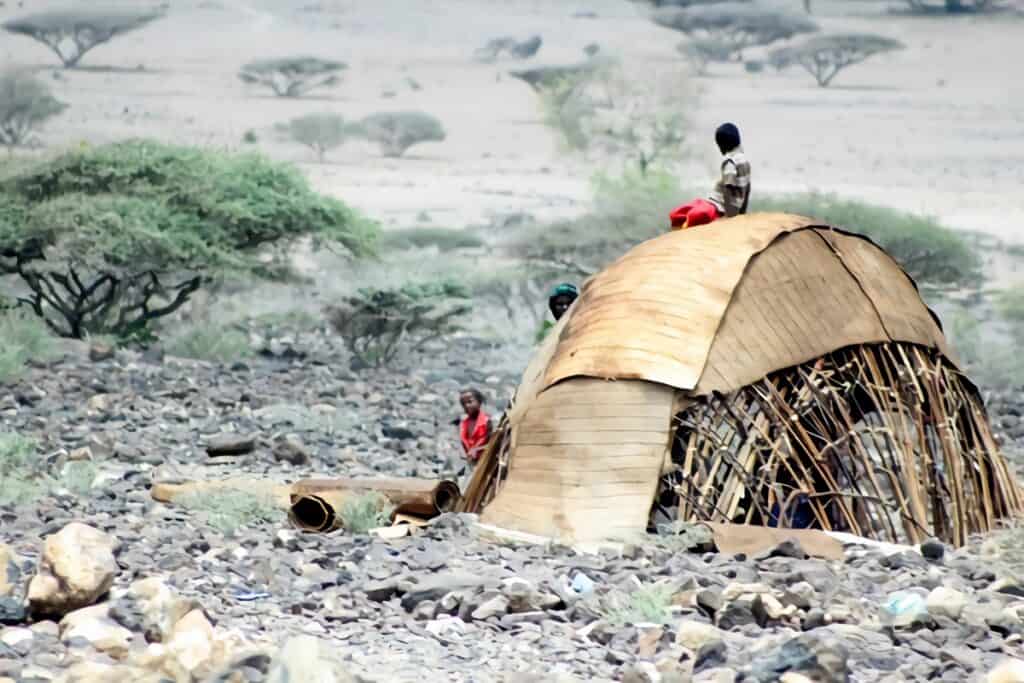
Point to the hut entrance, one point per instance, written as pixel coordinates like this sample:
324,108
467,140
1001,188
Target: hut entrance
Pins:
887,441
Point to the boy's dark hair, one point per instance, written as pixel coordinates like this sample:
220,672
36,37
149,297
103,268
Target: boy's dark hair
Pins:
727,137
476,394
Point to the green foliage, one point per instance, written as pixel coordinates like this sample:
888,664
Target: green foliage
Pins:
23,478
369,511
931,253
20,483
700,52
25,338
1010,306
628,111
953,6
97,233
78,477
378,324
733,26
211,343
395,132
320,132
293,76
73,32
25,105
825,56
650,604
230,510
445,239
990,362
250,137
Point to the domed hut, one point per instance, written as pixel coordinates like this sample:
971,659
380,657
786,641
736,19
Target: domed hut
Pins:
766,369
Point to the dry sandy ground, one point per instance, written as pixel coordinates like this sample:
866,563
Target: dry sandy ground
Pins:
937,128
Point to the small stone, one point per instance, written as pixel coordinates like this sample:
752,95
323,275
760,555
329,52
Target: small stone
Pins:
719,674
933,550
1009,671
289,448
946,602
101,352
80,454
76,568
693,635
495,607
799,594
230,443
711,655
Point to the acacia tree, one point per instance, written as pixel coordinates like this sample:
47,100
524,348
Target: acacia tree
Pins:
396,131
72,33
825,56
319,132
25,105
622,110
108,240
293,76
732,27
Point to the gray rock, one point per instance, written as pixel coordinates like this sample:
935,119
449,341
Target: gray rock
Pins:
289,448
816,657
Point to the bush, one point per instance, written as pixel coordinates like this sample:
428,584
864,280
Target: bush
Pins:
25,105
23,478
25,339
933,255
545,77
651,604
211,343
20,483
293,76
630,111
320,132
109,239
825,56
230,510
360,514
397,131
378,324
700,52
72,33
1010,306
733,27
510,46
445,239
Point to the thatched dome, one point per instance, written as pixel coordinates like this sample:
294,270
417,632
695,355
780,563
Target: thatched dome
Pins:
727,329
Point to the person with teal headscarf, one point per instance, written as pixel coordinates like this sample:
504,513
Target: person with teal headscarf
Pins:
561,298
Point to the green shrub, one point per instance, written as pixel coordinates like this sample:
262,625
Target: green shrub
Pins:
825,56
25,338
365,512
73,32
78,477
647,604
320,132
230,510
25,105
932,254
444,239
395,132
211,343
109,239
379,324
293,76
1010,306
250,137
20,482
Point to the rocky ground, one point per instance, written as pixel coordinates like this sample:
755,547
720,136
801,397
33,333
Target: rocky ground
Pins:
125,588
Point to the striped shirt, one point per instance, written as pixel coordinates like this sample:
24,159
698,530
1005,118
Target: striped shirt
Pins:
732,191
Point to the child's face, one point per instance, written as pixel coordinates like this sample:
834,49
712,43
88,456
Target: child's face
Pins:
469,404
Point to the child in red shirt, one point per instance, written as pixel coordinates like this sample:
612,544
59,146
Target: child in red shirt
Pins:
475,429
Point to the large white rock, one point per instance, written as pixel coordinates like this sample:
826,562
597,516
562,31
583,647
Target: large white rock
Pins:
161,605
695,634
94,625
307,659
946,602
76,568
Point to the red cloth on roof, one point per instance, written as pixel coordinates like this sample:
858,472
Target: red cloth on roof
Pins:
474,436
692,214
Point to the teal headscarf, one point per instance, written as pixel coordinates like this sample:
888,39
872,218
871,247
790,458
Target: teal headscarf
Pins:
564,289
